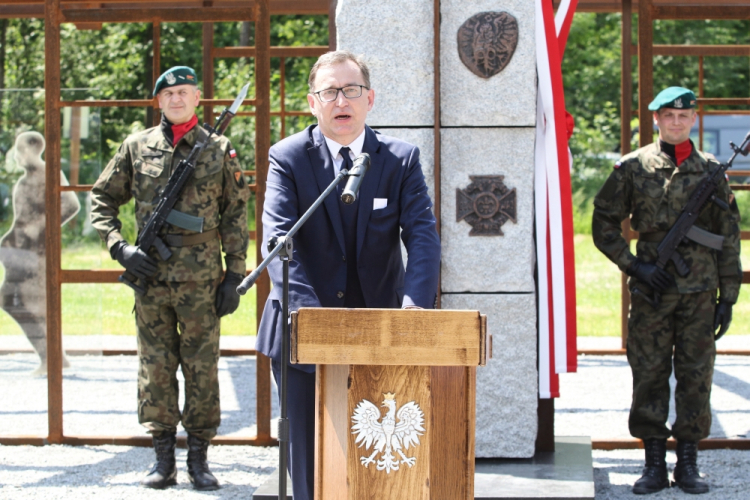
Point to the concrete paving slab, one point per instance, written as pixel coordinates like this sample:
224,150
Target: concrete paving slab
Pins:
567,473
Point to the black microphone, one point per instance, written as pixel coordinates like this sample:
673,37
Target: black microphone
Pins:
356,174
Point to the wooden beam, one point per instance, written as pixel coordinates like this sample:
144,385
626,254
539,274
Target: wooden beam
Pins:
311,51
208,71
24,9
332,34
53,221
142,103
262,145
123,352
702,12
645,71
145,14
704,444
626,114
623,352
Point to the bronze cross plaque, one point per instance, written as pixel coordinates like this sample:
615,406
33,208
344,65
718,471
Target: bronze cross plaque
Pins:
486,204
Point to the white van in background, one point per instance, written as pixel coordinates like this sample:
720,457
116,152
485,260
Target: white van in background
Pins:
718,130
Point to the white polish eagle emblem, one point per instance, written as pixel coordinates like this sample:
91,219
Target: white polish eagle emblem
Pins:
387,435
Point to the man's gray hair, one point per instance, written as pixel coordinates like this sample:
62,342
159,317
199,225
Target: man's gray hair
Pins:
337,57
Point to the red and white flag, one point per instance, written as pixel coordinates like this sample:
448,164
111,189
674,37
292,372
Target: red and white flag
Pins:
553,202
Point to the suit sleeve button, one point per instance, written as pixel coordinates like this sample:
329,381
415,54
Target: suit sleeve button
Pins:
340,295
343,257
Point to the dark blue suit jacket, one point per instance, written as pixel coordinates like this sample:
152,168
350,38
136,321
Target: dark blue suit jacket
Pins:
300,169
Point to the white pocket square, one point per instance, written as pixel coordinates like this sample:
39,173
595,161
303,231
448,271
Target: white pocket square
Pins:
379,203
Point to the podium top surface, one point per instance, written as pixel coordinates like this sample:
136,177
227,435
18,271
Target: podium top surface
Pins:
417,337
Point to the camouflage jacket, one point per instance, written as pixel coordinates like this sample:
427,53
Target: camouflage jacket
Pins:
646,186
217,192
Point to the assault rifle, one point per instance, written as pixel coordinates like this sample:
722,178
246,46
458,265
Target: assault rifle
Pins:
684,228
149,236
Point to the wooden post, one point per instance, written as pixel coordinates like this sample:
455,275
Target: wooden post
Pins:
545,436
332,24
262,145
52,223
626,113
156,43
645,71
208,71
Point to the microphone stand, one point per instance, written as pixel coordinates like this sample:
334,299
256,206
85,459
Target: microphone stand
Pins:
283,247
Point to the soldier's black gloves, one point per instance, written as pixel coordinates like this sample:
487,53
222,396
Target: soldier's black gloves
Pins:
227,298
722,318
652,275
135,260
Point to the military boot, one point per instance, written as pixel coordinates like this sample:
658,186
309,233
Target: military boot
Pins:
164,472
654,476
686,473
198,472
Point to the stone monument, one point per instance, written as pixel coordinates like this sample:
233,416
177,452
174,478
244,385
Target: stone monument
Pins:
486,134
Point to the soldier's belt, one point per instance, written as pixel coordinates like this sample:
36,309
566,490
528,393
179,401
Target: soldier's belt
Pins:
179,240
698,235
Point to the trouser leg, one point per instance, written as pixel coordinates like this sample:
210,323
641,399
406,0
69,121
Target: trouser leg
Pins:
194,304
694,356
649,350
301,414
158,359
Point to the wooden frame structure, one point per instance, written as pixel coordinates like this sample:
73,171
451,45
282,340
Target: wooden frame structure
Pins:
57,12
649,11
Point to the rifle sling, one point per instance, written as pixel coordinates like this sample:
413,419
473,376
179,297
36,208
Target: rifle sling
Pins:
179,240
698,235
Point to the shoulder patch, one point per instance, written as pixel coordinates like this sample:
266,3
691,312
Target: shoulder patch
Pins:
232,153
618,164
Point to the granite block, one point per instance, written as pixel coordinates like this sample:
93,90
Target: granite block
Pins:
396,39
506,425
506,99
487,263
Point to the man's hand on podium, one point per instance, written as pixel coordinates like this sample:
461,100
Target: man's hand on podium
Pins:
411,307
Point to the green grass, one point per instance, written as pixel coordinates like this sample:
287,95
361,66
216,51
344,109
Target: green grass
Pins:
89,309
94,309
598,293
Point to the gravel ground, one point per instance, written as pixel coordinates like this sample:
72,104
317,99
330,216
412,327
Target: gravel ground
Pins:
99,399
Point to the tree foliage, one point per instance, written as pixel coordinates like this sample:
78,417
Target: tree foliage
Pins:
116,62
592,75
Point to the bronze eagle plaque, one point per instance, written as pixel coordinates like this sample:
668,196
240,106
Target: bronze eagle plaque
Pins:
486,204
487,41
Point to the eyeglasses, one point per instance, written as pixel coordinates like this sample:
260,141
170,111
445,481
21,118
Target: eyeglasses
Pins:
350,92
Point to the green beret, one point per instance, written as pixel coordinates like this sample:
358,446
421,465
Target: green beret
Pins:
673,97
178,75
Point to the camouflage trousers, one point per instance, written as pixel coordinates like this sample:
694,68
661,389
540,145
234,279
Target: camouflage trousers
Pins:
679,331
177,327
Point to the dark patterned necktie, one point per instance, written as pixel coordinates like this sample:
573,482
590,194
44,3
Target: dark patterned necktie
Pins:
347,164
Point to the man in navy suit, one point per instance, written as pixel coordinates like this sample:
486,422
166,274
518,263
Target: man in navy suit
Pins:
344,255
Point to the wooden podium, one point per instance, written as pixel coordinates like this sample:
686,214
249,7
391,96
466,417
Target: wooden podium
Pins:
395,400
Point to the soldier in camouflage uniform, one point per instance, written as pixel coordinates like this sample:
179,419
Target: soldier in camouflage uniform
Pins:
177,319
651,186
